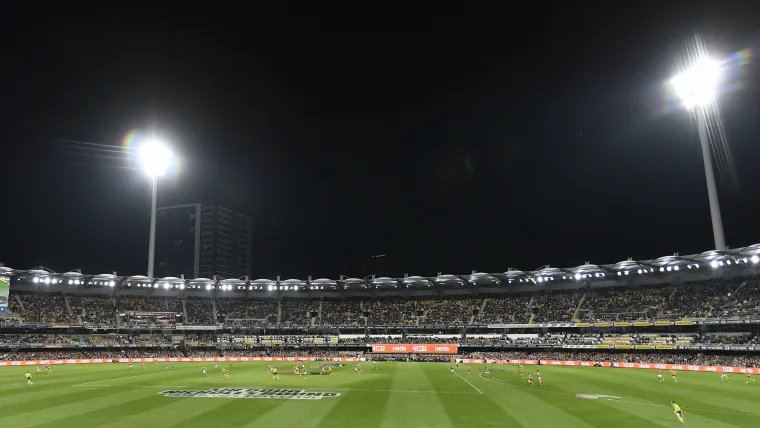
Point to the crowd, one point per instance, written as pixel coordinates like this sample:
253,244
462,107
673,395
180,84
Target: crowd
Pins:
200,311
737,360
93,310
254,312
730,299
153,304
342,312
297,313
46,309
505,310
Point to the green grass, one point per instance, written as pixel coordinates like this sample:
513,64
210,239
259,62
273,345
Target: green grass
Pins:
395,395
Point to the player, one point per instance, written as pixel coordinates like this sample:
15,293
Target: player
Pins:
749,377
724,377
374,364
224,373
203,370
28,378
451,368
469,370
538,376
530,379
486,372
130,366
520,371
48,369
229,364
673,375
216,365
357,369
274,372
269,368
39,370
329,370
142,365
659,376
677,411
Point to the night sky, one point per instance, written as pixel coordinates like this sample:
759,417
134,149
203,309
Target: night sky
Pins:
447,144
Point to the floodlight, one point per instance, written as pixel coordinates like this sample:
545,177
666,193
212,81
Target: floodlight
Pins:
577,276
155,157
754,259
111,284
47,280
698,85
714,264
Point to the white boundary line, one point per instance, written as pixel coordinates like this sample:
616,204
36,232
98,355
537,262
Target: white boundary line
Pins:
468,382
730,412
97,382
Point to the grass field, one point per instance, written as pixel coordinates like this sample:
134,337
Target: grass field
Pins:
395,395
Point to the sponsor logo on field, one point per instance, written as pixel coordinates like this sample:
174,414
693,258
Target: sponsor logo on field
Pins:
587,396
597,396
277,394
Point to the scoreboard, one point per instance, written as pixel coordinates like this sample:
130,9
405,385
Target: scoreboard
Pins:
4,289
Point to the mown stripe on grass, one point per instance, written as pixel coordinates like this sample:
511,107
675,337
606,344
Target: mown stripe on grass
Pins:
362,408
230,413
41,412
460,409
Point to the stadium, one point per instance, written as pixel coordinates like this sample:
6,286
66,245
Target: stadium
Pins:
131,345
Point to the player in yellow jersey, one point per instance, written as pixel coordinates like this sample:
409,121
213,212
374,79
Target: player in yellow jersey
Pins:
48,370
374,364
673,375
530,379
469,370
329,370
677,411
28,378
224,373
274,372
520,371
749,377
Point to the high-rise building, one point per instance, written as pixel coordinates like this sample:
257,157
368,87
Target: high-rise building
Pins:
201,241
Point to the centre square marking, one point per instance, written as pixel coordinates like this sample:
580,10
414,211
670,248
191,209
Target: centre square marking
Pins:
275,394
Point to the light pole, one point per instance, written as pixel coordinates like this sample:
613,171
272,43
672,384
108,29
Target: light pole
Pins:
155,158
697,87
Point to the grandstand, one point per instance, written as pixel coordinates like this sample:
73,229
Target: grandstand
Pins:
671,308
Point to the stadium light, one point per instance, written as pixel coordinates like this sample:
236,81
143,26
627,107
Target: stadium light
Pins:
698,89
755,259
155,158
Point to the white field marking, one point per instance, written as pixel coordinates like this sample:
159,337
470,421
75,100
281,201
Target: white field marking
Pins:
468,382
93,383
730,412
199,387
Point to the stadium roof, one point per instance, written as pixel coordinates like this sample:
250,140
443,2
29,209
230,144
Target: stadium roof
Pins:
745,256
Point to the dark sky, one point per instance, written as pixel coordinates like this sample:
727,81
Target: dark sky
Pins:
447,143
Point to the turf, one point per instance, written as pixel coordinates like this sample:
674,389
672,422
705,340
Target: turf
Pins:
395,395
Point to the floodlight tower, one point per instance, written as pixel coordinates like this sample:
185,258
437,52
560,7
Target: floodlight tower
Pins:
697,87
155,157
